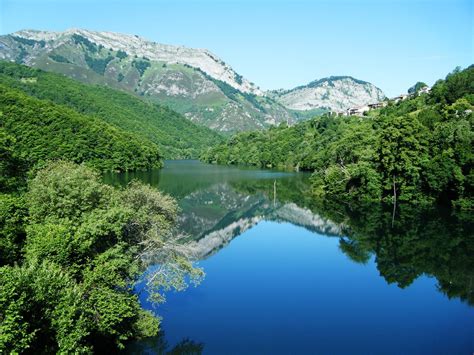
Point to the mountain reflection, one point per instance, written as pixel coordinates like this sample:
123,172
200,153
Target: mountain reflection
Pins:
220,203
212,217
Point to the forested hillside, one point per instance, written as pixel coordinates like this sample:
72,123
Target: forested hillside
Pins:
417,150
71,247
175,136
39,130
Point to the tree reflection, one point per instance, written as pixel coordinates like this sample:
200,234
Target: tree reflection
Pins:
434,242
159,346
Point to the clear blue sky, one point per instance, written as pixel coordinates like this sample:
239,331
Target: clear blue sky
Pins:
284,43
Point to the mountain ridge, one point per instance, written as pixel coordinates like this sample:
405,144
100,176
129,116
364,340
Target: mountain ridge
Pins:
326,93
193,82
143,47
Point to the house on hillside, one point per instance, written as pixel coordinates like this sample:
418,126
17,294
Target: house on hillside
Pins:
424,90
336,113
377,105
357,111
399,98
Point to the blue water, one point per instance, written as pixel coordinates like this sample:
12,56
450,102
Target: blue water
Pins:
284,286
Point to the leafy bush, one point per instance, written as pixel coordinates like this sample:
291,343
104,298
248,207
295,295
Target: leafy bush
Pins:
72,291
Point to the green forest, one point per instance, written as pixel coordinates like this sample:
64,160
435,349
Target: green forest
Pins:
72,247
69,257
41,131
153,124
418,150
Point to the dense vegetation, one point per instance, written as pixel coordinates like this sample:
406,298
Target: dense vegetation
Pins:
141,65
175,136
98,64
70,253
78,39
71,247
29,42
417,150
59,58
40,130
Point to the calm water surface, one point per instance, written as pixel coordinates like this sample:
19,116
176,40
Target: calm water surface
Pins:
285,275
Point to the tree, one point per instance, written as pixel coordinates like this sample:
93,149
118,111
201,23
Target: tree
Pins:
417,87
401,153
86,245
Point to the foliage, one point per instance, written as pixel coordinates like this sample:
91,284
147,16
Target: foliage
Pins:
175,135
43,131
81,255
21,55
78,39
417,87
12,168
121,54
13,213
28,41
141,65
98,64
418,150
59,58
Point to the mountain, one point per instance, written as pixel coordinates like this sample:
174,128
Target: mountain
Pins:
193,82
336,93
174,135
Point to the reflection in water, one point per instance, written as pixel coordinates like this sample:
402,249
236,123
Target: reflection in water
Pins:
220,203
421,241
159,346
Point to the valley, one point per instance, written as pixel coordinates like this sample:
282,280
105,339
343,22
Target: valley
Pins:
154,200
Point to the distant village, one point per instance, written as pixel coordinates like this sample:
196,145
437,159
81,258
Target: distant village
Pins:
359,111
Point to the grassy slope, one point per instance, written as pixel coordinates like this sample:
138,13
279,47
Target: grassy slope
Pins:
217,109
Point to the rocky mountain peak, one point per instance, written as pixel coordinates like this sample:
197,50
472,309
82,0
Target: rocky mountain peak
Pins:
135,45
337,93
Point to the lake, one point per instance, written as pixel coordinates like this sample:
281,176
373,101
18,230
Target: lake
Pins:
288,275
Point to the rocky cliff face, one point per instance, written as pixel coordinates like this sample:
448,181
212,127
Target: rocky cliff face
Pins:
137,46
194,82
336,93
